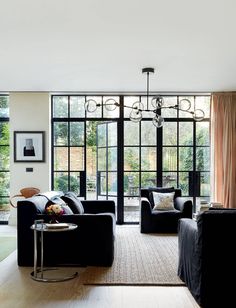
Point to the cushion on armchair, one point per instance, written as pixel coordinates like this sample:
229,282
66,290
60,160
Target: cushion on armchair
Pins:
159,190
163,201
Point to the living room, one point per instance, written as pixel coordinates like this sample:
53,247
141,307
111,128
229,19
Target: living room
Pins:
77,80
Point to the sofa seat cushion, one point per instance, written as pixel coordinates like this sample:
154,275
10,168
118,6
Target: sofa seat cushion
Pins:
162,214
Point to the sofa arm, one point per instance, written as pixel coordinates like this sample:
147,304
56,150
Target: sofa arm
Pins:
98,206
146,208
184,206
189,265
187,233
145,215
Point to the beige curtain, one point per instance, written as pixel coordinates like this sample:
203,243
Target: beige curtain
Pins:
223,148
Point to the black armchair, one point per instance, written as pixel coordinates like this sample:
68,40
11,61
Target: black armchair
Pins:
162,221
207,257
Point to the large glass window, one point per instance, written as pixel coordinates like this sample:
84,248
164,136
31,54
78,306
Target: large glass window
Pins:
4,159
104,155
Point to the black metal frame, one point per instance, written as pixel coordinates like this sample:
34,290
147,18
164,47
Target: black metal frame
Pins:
82,173
120,155
106,171
4,120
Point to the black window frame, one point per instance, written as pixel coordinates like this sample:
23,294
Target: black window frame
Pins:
120,132
5,120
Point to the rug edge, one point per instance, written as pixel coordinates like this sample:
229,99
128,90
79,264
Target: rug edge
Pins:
137,284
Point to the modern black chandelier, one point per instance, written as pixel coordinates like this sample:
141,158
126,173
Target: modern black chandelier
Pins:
157,103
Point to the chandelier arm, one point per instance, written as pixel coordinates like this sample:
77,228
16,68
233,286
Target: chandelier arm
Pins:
115,103
192,112
134,108
130,107
150,110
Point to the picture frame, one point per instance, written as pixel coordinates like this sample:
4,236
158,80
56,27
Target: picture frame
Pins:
29,146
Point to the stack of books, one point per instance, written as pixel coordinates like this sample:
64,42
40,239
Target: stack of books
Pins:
204,205
216,204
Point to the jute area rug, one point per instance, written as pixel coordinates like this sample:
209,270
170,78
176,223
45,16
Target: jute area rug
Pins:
140,259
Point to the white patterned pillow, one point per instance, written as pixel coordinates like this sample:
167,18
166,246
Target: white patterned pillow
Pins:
163,201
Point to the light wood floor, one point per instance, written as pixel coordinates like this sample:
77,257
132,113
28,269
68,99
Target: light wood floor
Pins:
18,290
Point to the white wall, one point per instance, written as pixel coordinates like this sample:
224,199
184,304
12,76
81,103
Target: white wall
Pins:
29,112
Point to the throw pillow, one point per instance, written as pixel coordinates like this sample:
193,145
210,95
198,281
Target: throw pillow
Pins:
163,201
56,200
73,202
67,210
159,190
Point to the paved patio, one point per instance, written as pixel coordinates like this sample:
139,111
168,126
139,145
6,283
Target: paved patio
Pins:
4,216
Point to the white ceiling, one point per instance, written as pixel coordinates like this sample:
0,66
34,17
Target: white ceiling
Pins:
102,45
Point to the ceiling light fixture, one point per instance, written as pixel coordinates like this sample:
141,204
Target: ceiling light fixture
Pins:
157,103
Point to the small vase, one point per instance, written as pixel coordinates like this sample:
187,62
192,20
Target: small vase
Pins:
54,220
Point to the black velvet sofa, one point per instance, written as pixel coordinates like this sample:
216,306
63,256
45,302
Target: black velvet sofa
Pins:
207,257
162,221
92,243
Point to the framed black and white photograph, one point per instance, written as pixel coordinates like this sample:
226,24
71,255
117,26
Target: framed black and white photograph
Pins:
29,146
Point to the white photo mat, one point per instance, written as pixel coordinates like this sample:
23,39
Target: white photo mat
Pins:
29,146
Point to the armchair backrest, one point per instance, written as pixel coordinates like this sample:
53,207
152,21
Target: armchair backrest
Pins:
216,228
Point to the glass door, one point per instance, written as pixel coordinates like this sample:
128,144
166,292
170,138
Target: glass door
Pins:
107,161
69,157
140,164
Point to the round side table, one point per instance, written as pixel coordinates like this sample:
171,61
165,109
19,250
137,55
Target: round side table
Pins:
41,227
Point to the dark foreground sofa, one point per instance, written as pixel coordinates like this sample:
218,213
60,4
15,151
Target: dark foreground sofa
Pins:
207,257
92,243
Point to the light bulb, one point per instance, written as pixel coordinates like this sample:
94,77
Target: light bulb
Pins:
110,104
157,102
135,115
90,105
158,121
198,115
184,104
138,105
